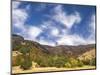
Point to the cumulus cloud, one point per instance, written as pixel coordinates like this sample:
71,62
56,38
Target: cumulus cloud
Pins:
15,4
68,20
92,24
54,33
44,42
71,40
76,39
91,38
33,32
19,16
59,15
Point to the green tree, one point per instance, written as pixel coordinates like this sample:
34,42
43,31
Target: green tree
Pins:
93,62
72,62
68,65
27,63
24,49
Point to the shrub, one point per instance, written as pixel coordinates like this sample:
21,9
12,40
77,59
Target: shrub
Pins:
74,63
51,61
89,61
25,49
68,65
27,63
80,63
16,60
86,62
93,62
42,61
59,61
16,45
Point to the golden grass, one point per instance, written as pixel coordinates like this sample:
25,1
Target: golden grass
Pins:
88,55
17,69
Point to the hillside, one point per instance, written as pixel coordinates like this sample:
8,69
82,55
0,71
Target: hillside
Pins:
88,55
27,53
75,51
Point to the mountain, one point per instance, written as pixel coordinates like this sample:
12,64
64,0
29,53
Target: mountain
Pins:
24,52
74,51
88,55
69,50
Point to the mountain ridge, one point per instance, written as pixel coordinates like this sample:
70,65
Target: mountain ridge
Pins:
75,51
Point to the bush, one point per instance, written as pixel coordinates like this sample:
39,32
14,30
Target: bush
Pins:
80,63
16,60
93,62
42,61
86,62
25,49
73,63
27,63
51,61
89,61
68,65
59,61
16,45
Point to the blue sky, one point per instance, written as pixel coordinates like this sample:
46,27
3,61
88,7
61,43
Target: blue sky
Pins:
54,24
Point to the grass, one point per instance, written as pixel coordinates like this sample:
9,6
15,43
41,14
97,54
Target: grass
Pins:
17,69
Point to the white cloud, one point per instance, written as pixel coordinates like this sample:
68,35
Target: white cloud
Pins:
71,40
19,16
33,32
92,24
75,39
67,20
15,4
55,32
44,42
91,38
47,24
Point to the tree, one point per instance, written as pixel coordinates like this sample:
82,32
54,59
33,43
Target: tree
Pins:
93,62
27,63
72,62
58,61
16,60
68,65
24,50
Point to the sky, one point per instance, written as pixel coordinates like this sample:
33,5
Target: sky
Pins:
54,24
